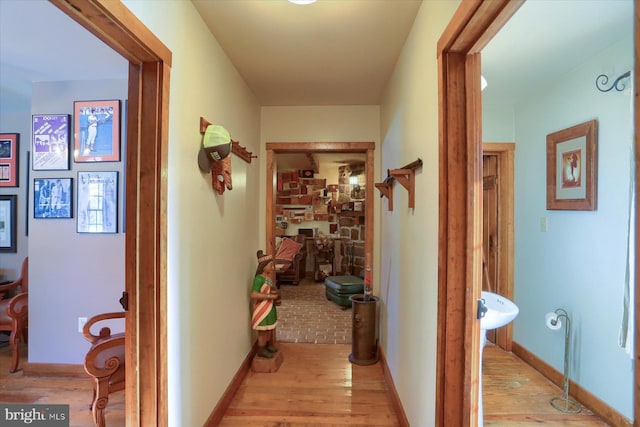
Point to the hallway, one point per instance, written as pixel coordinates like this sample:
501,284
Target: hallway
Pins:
316,385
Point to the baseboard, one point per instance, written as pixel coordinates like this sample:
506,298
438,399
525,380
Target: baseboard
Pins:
54,370
393,393
225,401
588,400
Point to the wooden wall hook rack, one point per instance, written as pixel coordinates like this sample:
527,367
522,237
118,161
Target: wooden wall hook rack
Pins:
236,148
406,177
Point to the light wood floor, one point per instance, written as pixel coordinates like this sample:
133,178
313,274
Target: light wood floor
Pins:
318,386
516,395
75,392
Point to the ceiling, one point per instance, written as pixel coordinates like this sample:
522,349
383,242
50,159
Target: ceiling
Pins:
327,53
547,39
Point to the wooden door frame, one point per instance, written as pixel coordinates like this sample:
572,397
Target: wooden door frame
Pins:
460,215
145,195
273,148
505,154
473,24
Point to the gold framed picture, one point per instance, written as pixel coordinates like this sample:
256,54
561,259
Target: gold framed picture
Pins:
572,168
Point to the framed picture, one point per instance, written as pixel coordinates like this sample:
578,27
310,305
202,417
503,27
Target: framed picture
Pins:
96,131
97,202
9,159
8,224
572,168
53,198
50,141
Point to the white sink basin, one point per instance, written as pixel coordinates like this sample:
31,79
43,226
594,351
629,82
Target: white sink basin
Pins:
500,311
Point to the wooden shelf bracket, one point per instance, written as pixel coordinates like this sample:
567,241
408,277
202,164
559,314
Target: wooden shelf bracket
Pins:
236,148
406,177
386,190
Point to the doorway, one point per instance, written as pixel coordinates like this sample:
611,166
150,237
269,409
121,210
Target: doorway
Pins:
309,148
145,272
319,204
470,29
497,228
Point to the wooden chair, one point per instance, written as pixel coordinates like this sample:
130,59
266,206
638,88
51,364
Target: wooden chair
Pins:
290,259
14,310
104,363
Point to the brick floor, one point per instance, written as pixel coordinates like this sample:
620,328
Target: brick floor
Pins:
306,316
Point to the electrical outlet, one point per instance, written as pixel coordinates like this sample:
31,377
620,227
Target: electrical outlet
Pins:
81,322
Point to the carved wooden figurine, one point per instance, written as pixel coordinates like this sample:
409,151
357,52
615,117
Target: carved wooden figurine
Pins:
221,175
264,318
217,146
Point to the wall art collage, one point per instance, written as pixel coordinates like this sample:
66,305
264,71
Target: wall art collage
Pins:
90,136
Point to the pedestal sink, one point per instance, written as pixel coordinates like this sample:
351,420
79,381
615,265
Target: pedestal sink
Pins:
499,312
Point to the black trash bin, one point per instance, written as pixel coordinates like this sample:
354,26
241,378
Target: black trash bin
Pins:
364,350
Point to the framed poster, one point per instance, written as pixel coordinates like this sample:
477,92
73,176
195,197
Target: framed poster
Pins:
8,223
97,202
53,198
572,168
50,141
9,159
96,131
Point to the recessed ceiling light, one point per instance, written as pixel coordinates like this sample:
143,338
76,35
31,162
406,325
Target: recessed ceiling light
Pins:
302,1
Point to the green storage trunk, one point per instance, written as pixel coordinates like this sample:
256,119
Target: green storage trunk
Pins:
339,288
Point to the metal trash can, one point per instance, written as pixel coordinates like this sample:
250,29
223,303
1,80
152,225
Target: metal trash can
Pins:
364,350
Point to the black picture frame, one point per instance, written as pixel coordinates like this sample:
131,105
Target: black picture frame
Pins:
97,202
52,198
8,225
50,141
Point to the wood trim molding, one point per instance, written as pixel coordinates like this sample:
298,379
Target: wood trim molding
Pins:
460,230
131,39
54,370
580,394
225,401
403,421
506,153
334,147
146,190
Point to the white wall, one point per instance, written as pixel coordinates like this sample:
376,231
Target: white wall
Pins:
579,263
72,274
409,237
212,239
497,124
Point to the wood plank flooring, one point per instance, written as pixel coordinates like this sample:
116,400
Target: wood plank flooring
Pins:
516,395
75,392
317,386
